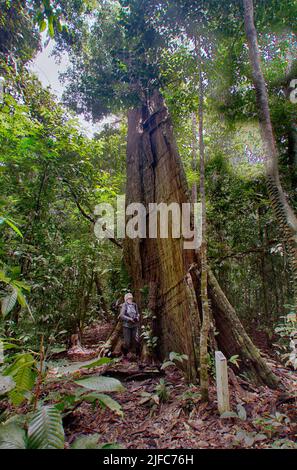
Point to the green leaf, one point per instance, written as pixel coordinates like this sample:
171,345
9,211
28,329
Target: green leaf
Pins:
11,223
23,373
22,285
9,302
21,360
17,396
284,444
57,349
76,366
235,360
105,400
46,430
51,30
97,363
7,346
101,384
24,380
59,26
86,442
67,402
42,25
21,298
111,445
12,436
3,277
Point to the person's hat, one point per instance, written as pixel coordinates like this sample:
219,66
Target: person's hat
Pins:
128,296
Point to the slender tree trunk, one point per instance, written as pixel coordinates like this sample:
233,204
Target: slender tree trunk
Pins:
204,382
283,212
86,290
194,156
101,300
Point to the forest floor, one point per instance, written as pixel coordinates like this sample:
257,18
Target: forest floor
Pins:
179,419
173,416
266,419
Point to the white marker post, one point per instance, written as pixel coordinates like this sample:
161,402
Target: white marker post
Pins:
222,382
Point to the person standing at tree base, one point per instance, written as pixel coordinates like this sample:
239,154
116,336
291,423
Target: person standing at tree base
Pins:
130,317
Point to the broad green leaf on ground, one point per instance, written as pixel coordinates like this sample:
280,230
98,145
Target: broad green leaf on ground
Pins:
101,384
105,400
76,366
12,436
86,442
111,445
97,363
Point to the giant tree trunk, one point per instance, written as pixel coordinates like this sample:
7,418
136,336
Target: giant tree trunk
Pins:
283,212
155,174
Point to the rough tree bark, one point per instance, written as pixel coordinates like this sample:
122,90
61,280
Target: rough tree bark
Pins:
283,212
155,174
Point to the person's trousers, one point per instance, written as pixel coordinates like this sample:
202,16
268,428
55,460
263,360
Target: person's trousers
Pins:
130,339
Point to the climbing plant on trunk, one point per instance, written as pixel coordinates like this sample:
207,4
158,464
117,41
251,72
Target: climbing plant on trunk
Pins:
283,212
